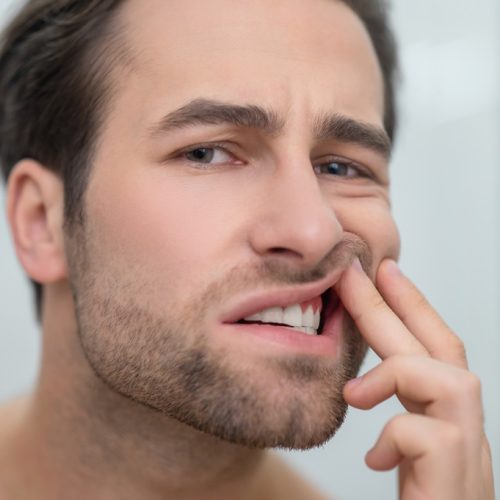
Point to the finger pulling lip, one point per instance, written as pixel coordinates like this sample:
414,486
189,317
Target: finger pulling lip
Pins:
254,302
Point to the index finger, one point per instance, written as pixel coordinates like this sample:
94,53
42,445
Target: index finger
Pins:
384,331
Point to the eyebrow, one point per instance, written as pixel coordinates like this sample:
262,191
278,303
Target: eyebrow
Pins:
348,130
326,127
209,112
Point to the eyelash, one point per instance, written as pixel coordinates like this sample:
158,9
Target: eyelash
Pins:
181,156
361,172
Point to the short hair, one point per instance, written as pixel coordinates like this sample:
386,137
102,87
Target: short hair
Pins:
56,61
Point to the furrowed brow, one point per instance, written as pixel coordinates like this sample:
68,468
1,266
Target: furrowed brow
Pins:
344,129
211,112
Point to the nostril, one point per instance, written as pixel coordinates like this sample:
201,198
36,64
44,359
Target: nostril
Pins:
279,250
283,251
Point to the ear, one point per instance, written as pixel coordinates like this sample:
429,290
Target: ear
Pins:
35,200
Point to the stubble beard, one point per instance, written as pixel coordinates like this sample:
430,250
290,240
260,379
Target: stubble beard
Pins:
168,363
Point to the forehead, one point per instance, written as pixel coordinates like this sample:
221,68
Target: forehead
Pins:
299,56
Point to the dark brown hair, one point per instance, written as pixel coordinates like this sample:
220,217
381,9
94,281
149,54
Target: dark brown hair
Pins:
56,60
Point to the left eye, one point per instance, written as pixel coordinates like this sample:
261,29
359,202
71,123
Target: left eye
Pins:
338,168
208,156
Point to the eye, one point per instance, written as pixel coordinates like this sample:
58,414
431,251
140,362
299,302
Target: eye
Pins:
208,156
340,168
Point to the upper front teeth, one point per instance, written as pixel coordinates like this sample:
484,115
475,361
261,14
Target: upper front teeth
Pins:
291,315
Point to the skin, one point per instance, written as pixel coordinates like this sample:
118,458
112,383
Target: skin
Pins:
163,235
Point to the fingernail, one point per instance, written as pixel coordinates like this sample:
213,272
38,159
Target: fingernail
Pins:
355,382
392,267
357,265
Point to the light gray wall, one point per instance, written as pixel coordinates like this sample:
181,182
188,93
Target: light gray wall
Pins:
446,191
19,338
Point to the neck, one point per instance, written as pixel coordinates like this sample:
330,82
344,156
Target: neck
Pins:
79,438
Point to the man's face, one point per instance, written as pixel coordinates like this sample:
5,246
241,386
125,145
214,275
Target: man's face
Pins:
259,193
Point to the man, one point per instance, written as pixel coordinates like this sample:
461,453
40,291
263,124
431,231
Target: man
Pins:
200,192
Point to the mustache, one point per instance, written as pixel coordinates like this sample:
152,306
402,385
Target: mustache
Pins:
339,257
276,271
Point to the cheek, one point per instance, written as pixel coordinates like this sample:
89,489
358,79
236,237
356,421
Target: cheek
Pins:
168,233
371,220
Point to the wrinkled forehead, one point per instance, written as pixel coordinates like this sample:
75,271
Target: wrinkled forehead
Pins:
301,56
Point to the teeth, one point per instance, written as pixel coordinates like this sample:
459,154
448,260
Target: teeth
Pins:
310,319
292,315
272,315
306,322
306,330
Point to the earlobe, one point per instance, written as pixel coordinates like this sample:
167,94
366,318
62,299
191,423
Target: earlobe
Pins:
35,213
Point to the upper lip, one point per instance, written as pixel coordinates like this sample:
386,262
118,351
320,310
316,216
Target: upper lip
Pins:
255,302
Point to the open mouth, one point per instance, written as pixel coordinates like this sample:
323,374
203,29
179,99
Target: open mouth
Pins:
308,317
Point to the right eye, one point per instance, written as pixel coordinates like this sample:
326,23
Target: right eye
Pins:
208,156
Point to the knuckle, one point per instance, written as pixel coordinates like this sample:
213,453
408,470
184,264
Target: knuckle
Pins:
378,302
466,386
471,384
453,386
396,425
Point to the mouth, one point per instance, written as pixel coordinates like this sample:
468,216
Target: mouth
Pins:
308,317
299,319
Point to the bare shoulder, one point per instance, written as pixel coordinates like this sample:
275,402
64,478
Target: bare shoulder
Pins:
10,414
288,484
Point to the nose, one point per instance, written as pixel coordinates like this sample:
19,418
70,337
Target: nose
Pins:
295,220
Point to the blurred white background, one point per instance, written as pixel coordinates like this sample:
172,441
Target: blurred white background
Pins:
446,192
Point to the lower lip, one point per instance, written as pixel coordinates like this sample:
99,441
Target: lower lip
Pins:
326,344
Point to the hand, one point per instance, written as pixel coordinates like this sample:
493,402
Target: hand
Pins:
439,445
